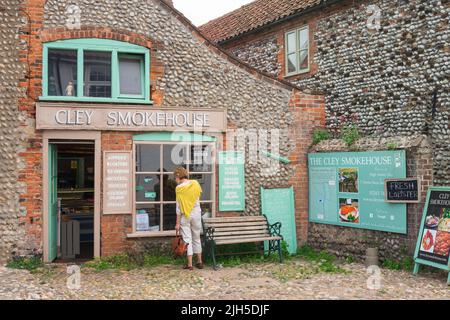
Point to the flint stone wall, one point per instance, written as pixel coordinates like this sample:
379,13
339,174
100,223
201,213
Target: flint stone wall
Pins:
386,77
350,242
262,54
11,72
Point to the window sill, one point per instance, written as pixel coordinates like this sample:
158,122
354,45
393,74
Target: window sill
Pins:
101,100
159,234
290,75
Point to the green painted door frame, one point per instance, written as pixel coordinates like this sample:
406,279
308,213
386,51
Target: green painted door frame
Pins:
53,202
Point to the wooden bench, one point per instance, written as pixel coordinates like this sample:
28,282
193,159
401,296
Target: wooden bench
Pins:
235,230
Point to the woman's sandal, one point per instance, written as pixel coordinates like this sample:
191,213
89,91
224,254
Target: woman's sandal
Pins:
199,265
186,267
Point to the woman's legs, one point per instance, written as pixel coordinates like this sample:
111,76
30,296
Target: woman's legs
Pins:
196,228
187,237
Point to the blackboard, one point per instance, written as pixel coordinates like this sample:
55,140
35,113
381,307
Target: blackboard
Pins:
433,243
402,190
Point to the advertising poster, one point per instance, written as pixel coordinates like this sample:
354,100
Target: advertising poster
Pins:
231,181
348,189
434,238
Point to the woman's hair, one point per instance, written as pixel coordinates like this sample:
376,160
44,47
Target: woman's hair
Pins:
181,173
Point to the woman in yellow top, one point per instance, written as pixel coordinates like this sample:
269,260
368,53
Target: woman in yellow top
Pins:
189,215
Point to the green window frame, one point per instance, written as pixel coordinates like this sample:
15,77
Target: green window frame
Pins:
294,49
117,49
160,206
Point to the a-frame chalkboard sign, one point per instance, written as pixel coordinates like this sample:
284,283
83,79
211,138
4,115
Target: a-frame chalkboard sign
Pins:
433,243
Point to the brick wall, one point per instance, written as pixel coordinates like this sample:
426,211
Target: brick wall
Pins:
309,114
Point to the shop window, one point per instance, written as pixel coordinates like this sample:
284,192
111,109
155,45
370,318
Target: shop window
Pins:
297,51
155,183
96,70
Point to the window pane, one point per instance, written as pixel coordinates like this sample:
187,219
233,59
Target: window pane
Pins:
62,73
304,60
148,158
148,188
205,181
169,216
206,209
174,156
169,186
291,42
148,217
292,63
201,158
130,71
97,74
304,38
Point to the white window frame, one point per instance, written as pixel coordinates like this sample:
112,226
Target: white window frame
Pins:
298,51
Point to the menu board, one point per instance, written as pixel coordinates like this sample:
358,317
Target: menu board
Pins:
433,243
348,189
117,182
402,190
278,206
231,181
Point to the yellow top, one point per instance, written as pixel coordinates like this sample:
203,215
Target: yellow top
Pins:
187,196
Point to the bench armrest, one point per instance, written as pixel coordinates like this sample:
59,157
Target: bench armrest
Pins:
209,234
275,229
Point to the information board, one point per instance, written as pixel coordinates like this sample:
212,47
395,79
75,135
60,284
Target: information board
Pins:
279,206
433,243
402,190
117,182
231,181
348,189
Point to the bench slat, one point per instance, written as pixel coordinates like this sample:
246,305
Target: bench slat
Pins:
234,219
238,233
235,224
241,236
247,240
261,227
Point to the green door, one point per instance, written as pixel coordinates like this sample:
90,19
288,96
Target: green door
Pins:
53,202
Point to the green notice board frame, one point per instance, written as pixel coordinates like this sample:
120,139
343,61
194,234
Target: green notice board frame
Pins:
347,189
278,205
430,210
231,181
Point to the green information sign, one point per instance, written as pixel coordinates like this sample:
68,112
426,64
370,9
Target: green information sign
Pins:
348,189
433,242
231,181
279,206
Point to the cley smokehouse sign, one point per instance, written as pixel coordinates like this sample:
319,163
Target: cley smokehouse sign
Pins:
49,116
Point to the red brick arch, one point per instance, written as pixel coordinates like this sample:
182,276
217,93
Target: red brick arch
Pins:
55,34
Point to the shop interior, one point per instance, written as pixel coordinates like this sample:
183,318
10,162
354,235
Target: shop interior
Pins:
75,191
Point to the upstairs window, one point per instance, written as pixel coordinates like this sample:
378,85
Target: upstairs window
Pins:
96,70
297,51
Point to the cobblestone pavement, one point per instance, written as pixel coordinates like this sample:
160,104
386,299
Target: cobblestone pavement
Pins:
293,280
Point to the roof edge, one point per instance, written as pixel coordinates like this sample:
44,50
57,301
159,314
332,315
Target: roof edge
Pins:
294,15
232,59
